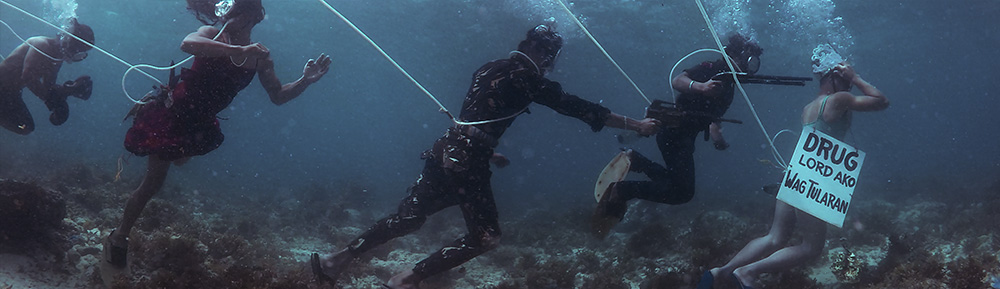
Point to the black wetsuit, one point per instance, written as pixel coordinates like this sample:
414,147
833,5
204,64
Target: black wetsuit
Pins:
457,169
674,184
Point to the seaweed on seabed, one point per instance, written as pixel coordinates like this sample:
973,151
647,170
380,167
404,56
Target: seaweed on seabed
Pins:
669,280
651,241
182,261
31,217
968,272
608,279
553,274
715,236
905,267
550,275
797,278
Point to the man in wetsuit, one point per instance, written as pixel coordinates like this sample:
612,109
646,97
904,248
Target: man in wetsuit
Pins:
35,64
456,170
704,101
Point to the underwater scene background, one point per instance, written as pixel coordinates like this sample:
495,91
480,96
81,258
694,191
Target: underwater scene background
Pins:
310,175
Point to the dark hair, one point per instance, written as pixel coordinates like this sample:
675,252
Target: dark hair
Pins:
541,37
740,45
80,30
204,10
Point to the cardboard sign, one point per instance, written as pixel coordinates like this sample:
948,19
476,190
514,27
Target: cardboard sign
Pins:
821,176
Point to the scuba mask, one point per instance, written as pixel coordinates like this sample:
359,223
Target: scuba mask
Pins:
65,41
549,42
745,62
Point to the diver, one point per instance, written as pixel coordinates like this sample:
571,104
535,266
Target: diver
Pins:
35,64
180,122
829,112
457,167
703,100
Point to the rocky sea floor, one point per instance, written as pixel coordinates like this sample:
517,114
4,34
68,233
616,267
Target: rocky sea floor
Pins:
190,238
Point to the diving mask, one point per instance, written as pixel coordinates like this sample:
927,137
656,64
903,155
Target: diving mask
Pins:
222,8
753,64
749,65
65,41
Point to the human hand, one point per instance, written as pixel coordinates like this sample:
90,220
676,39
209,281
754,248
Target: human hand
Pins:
316,68
845,70
79,88
707,88
648,127
499,160
715,132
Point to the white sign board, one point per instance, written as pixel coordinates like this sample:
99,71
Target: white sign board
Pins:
821,176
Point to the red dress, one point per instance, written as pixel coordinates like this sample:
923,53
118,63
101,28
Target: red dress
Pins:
189,126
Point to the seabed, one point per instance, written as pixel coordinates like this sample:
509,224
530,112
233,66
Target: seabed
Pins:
191,238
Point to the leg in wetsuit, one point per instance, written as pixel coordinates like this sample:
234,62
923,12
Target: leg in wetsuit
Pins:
673,184
437,188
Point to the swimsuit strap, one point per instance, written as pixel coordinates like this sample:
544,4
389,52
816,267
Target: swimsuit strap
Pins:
819,117
822,106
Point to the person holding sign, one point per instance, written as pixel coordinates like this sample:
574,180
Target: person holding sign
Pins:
830,113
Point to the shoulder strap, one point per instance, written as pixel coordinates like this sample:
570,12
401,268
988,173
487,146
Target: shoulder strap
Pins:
822,106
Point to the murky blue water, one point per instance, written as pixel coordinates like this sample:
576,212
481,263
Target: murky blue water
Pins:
365,124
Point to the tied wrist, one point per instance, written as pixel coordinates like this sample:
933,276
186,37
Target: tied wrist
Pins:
691,86
626,122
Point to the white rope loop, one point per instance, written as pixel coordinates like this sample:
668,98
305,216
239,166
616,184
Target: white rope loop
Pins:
753,110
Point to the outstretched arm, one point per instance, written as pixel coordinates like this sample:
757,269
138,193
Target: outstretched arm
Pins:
280,94
646,127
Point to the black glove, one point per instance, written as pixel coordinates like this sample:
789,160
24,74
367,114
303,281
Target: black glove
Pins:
79,88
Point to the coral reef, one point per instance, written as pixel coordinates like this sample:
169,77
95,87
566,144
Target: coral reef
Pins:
650,241
188,238
846,266
31,218
27,210
715,236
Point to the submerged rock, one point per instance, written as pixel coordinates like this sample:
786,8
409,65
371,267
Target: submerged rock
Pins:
28,212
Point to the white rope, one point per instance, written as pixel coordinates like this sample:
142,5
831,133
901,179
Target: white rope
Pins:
95,47
753,110
387,57
414,81
137,66
599,46
74,36
25,41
